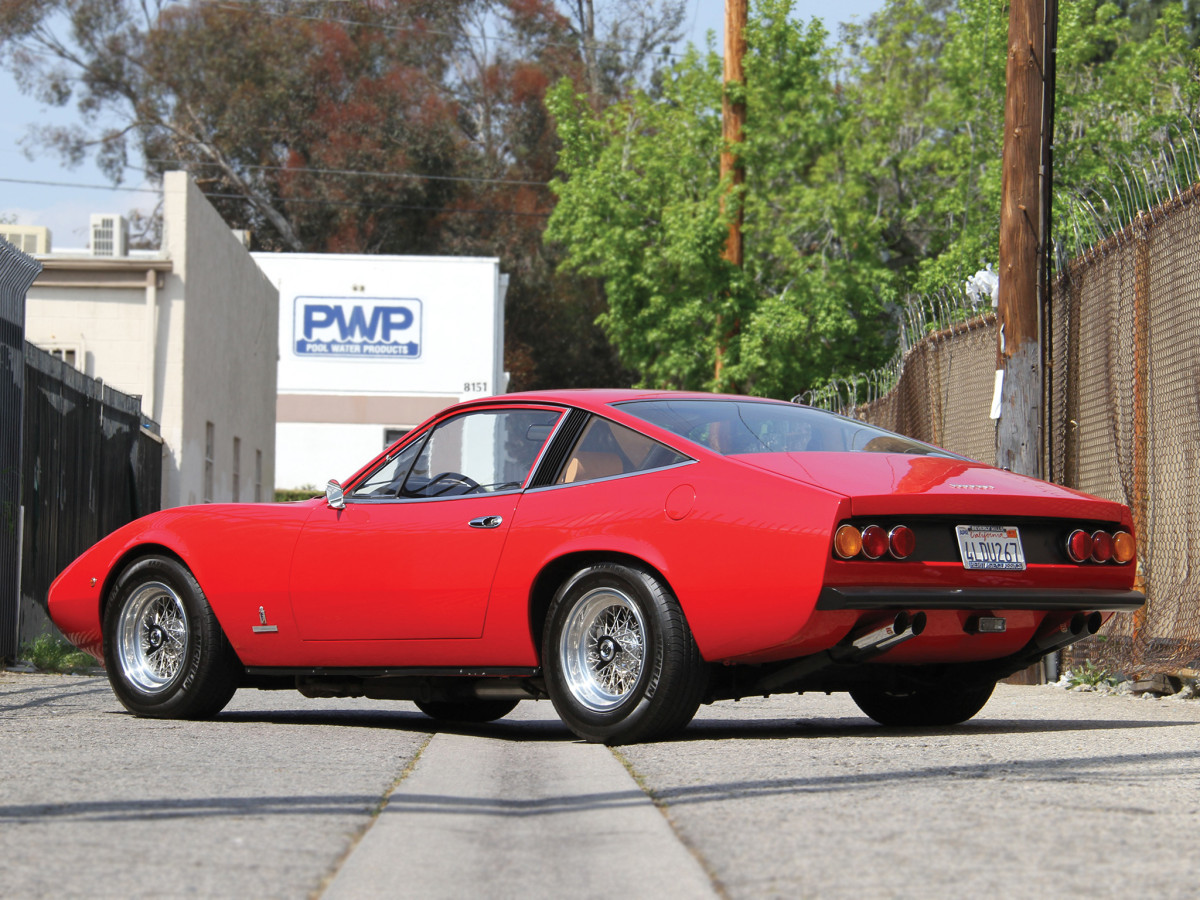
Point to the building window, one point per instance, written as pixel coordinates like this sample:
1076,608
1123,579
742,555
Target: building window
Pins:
391,435
237,470
70,355
258,476
210,443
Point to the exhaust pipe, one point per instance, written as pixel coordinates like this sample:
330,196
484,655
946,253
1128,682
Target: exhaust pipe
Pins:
857,648
872,643
1056,637
1047,640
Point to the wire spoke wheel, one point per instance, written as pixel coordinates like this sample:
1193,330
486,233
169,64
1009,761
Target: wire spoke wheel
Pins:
153,637
620,662
603,647
165,652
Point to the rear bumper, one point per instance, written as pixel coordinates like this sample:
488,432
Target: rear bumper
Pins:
1047,600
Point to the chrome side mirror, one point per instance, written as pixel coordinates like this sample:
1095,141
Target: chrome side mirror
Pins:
334,495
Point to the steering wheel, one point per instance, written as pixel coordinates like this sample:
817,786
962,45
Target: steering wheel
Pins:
456,479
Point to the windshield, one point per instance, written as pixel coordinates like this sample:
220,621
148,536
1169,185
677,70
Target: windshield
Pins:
749,426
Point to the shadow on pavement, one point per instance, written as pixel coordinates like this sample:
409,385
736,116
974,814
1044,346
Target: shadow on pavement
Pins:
1091,770
859,726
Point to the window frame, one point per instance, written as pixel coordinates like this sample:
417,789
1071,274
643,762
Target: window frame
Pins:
550,480
421,436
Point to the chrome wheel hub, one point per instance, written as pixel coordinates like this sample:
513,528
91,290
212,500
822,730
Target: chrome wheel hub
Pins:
152,637
607,649
603,648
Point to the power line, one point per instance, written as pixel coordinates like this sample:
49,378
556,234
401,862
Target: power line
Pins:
358,205
365,173
88,187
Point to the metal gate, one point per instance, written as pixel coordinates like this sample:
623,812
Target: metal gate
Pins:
17,272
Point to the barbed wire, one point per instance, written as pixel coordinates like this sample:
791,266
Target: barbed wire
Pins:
1087,220
1086,223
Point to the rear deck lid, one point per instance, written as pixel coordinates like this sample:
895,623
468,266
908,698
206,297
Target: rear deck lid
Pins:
885,484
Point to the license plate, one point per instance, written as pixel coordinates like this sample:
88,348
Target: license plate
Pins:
990,547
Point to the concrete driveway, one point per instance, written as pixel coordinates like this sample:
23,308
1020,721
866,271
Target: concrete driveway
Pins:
1045,792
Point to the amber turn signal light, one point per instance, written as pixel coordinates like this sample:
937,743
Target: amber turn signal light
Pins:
847,542
1124,547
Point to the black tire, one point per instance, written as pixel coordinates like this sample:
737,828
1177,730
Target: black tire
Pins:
164,650
940,704
620,662
473,711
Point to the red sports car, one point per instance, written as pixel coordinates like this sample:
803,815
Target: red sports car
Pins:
628,554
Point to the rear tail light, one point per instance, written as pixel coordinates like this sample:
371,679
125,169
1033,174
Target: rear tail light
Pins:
1079,546
902,542
1124,547
847,542
874,542
1102,546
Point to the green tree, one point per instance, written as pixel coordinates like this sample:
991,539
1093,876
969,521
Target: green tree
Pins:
927,82
640,208
1125,90
873,172
401,126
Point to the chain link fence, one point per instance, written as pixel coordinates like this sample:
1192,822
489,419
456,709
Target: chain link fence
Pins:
1122,402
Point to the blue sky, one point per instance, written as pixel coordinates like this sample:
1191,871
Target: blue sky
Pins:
66,209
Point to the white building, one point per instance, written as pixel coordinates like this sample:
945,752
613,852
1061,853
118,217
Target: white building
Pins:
191,329
370,346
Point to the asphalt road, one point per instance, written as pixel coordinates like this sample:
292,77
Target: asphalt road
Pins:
1045,793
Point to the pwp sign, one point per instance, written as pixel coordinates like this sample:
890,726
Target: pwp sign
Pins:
357,327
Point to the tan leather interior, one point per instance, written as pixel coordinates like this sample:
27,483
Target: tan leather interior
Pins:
586,466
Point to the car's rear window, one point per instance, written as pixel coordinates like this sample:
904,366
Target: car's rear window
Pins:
731,427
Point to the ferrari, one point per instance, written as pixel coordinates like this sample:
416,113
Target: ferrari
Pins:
629,555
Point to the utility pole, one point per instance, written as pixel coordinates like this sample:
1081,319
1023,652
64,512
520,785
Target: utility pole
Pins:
1024,236
1024,244
733,118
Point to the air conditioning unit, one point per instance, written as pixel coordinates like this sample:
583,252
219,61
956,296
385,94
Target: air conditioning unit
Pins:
31,239
110,235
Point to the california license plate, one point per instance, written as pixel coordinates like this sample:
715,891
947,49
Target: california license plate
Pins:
990,547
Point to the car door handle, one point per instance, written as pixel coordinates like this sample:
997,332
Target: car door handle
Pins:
486,522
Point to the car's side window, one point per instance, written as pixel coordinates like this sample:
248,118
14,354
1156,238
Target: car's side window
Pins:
385,481
606,449
479,452
474,453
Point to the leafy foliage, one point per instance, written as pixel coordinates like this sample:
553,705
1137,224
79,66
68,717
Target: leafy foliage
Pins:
1090,674
640,206
369,126
872,164
873,172
49,653
291,495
